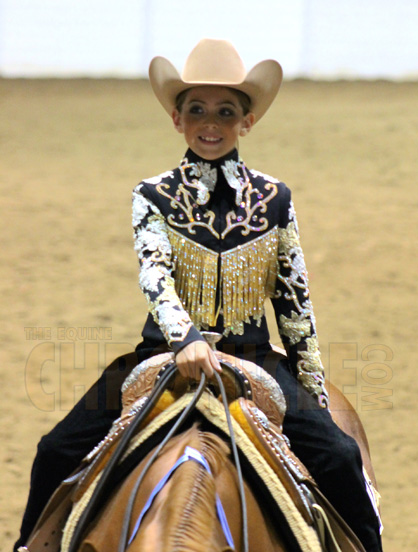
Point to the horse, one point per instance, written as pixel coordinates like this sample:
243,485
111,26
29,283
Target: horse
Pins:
183,515
200,505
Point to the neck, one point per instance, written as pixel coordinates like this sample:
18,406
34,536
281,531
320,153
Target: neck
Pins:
194,158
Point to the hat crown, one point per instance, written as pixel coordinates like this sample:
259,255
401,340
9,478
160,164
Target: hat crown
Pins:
214,61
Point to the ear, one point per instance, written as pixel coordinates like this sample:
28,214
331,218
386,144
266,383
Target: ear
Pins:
247,124
177,121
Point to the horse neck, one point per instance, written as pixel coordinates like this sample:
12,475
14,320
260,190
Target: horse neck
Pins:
184,511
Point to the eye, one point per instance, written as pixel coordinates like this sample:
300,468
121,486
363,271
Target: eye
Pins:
195,109
227,112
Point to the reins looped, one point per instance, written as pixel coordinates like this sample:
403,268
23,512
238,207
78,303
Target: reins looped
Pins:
237,463
161,385
98,493
124,537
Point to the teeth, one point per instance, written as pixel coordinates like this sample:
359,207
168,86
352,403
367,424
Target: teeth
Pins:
208,139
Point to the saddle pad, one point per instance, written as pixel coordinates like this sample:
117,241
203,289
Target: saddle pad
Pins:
213,411
272,445
303,532
161,420
100,455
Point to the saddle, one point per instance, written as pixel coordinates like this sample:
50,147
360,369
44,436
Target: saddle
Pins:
257,405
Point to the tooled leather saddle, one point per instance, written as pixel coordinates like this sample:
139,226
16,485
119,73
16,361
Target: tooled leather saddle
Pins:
256,403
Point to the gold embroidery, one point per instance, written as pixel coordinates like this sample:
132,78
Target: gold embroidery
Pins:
296,327
247,276
193,193
289,238
250,199
301,323
233,221
186,203
311,371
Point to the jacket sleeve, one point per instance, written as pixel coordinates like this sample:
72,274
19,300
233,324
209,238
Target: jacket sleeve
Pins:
156,273
293,307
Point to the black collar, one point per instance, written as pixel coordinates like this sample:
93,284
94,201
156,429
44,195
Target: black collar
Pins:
192,157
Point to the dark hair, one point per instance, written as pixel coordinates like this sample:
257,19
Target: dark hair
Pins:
243,99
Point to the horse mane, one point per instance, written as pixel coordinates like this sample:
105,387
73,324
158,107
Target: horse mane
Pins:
189,519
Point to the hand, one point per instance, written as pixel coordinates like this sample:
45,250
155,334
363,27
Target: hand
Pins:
194,358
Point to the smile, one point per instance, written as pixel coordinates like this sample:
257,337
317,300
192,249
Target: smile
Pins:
209,139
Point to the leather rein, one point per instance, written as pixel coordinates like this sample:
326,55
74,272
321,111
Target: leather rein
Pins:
163,380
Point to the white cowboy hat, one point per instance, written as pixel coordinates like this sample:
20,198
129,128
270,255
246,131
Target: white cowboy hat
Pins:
216,62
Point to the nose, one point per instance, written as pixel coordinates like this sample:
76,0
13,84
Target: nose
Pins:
211,120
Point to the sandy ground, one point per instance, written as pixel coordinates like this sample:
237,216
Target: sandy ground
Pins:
70,153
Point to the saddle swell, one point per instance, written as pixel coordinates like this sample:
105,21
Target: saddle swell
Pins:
240,377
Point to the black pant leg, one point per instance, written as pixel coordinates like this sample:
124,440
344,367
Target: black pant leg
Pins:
334,460
62,449
331,456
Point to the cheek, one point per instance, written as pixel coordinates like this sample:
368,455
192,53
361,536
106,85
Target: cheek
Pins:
237,129
189,131
189,125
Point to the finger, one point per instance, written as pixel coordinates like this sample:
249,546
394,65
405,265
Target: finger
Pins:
195,358
217,367
208,370
183,365
215,363
190,370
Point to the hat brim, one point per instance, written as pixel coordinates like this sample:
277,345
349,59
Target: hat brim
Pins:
261,84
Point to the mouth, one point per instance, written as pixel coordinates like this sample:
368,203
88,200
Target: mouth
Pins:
210,139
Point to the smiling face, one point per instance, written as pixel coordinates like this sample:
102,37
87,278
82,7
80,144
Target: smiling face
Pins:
211,119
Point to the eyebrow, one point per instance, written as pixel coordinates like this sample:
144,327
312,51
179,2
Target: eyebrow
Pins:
223,102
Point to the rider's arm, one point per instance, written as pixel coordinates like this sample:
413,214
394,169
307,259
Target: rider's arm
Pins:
157,283
293,308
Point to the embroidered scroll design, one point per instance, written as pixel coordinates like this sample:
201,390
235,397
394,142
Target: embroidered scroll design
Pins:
299,325
291,257
252,209
192,194
155,277
186,207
